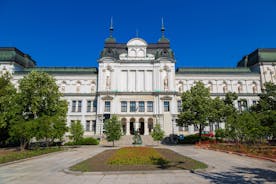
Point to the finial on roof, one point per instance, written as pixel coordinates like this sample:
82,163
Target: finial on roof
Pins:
162,28
111,27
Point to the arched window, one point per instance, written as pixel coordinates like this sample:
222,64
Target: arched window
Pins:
132,53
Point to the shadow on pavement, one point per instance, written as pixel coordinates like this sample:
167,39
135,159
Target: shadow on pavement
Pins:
240,175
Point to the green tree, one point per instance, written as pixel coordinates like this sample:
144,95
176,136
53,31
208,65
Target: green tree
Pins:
196,109
245,127
157,133
266,108
112,129
218,111
76,130
38,104
7,96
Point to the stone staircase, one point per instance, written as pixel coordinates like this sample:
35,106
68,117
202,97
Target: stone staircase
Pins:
126,140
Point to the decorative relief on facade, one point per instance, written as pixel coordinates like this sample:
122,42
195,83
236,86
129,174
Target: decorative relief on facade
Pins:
166,82
107,97
108,82
166,98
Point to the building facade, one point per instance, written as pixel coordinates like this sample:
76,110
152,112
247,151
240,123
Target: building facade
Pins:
138,82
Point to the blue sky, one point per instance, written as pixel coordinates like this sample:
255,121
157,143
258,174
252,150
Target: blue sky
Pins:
202,33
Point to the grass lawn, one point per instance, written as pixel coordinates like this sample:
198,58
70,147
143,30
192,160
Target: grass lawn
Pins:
12,155
138,158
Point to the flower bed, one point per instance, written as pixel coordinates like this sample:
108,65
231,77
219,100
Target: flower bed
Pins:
250,150
138,159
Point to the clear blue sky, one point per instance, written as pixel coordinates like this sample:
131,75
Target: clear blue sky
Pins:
202,32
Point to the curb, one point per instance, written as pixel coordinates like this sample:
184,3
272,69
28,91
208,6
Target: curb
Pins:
77,173
240,154
30,158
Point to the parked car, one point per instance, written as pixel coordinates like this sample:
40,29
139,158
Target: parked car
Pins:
206,134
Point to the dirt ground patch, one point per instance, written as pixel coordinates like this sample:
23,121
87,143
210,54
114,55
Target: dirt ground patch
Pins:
6,151
176,162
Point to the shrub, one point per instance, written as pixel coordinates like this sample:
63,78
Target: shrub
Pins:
76,131
220,134
192,139
158,133
84,141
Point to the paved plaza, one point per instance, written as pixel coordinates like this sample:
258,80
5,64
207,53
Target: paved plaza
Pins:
224,168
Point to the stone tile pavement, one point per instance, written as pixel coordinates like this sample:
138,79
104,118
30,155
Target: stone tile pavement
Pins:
225,169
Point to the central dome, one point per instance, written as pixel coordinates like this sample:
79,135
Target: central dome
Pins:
137,42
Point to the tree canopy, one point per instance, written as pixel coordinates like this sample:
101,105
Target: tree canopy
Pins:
38,110
112,129
197,107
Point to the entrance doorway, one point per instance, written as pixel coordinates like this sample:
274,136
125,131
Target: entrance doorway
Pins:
150,125
142,126
131,126
123,121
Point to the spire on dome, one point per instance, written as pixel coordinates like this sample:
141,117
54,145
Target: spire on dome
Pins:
110,39
111,28
162,28
163,39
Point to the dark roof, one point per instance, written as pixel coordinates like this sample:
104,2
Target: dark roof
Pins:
215,70
61,70
12,54
258,56
160,49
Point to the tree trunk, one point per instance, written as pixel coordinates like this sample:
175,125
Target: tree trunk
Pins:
113,143
200,131
23,144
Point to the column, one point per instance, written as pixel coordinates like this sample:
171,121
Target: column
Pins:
146,127
127,128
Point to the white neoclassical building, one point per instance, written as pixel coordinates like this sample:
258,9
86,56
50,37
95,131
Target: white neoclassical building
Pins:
138,82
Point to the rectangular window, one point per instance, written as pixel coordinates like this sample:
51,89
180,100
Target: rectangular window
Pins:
132,106
87,127
240,105
245,106
74,105
123,106
254,102
150,106
166,106
79,105
94,126
107,106
88,109
141,106
94,105
179,105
